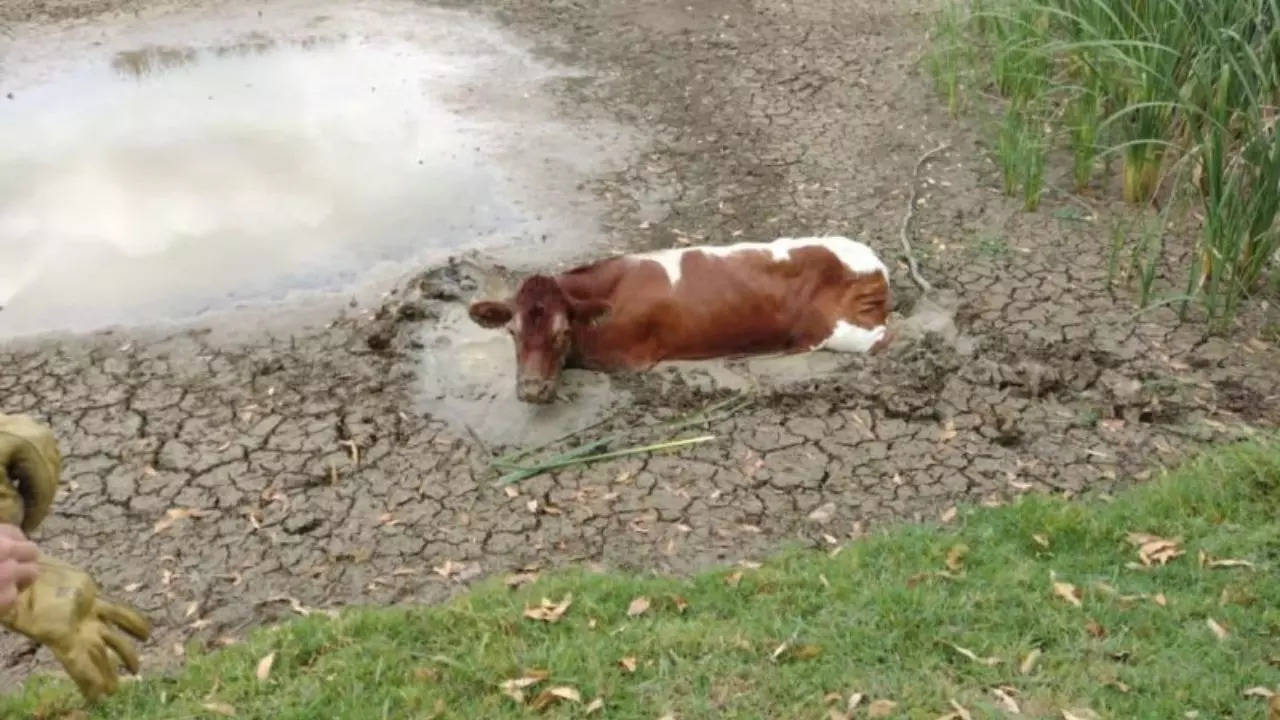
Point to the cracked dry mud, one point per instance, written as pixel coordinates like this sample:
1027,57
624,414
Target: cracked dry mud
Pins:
772,118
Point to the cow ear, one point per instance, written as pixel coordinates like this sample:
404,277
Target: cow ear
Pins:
490,313
590,311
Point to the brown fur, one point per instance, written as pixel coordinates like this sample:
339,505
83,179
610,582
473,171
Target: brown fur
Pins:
623,314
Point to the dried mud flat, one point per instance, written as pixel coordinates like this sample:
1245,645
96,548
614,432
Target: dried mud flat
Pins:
315,482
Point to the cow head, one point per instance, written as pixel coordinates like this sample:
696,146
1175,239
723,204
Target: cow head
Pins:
541,319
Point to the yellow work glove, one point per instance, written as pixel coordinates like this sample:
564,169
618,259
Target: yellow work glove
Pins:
61,609
30,466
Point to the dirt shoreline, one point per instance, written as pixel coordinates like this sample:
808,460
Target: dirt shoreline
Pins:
782,118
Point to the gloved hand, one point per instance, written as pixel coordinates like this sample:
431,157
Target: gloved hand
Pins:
61,608
30,466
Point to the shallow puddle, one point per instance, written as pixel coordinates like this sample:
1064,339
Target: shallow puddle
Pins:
192,163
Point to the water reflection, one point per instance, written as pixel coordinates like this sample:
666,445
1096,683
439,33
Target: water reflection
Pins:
175,178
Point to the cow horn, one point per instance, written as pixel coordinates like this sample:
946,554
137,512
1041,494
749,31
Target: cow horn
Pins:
30,465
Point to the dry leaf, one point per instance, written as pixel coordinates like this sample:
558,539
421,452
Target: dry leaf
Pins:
628,664
264,666
172,516
1155,550
854,701
955,557
1029,662
1160,599
448,569
834,714
548,611
680,603
1079,714
1095,629
668,716
1118,685
426,674
988,661
1068,592
823,513
806,652
595,706
1229,563
948,432
516,580
881,708
220,708
1273,708
961,713
949,514
734,579
1041,540
1259,692
638,606
1217,629
514,688
1004,695
565,692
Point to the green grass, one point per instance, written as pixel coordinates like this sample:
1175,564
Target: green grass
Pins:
878,618
1184,92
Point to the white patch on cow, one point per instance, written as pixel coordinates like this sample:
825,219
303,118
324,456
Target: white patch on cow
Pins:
849,338
856,256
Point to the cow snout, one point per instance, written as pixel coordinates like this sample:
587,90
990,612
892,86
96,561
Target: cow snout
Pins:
535,390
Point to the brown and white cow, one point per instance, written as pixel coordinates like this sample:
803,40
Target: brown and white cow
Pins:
629,312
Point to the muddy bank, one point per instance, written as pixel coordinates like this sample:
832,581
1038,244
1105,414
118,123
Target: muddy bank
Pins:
306,468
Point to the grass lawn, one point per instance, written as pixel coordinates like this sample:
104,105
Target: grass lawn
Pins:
1042,609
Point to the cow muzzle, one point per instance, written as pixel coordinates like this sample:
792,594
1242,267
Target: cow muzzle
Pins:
535,390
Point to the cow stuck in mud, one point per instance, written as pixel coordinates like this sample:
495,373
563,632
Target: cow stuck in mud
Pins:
630,312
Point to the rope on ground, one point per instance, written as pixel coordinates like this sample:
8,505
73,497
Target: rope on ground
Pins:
905,233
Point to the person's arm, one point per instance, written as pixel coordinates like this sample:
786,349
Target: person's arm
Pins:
56,604
17,565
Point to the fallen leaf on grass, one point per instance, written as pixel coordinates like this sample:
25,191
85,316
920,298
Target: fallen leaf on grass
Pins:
854,701
1231,563
733,579
960,712
881,708
1029,662
1160,599
595,706
1004,696
220,708
548,611
1155,550
1041,540
1117,685
806,652
628,664
949,514
680,603
1095,629
1273,708
1259,692
1217,629
1068,592
955,557
264,666
1080,714
638,606
514,688
988,661
426,674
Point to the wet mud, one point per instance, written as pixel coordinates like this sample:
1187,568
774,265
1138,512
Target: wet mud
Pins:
322,463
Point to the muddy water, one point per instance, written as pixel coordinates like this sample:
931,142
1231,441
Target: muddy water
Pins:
194,163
